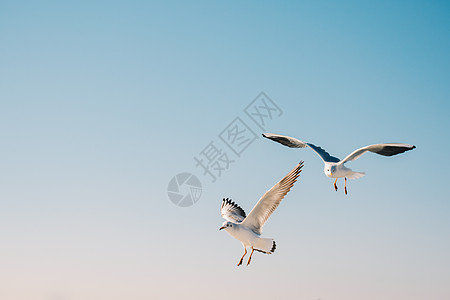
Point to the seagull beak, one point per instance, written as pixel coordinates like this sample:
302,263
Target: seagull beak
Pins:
223,227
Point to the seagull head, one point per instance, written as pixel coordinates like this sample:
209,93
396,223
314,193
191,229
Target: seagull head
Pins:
329,170
226,225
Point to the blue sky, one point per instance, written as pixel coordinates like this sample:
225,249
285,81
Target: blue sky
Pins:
101,104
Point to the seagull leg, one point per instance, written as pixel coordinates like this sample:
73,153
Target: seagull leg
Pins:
345,186
250,258
240,261
335,186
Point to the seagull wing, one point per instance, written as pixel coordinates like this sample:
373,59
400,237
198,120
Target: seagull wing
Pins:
285,140
382,149
295,143
324,155
270,201
232,212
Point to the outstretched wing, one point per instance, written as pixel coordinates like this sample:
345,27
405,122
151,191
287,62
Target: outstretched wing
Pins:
382,149
285,140
295,143
324,155
270,201
232,212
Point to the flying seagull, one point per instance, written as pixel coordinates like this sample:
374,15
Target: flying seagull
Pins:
334,167
247,229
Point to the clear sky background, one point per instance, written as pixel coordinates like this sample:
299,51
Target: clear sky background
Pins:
102,103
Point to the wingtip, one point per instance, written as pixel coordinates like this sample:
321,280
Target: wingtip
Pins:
298,170
264,135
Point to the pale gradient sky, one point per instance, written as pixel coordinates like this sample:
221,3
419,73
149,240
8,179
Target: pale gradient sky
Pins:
102,103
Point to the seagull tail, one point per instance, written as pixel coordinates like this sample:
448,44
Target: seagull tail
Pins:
356,175
267,246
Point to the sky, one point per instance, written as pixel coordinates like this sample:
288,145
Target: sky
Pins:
102,103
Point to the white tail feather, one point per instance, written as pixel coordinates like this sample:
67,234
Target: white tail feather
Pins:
265,245
356,175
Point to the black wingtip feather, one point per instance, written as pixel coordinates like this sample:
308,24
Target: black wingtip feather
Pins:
228,201
393,150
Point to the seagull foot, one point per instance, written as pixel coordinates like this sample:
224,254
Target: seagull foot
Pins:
335,187
345,189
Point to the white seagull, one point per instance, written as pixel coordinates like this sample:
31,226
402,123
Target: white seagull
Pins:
248,229
334,167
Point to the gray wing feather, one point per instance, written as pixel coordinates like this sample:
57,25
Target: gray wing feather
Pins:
326,157
389,149
270,201
295,143
285,140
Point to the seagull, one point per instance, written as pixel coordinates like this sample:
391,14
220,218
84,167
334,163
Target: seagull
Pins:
334,167
247,229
